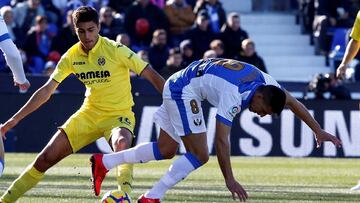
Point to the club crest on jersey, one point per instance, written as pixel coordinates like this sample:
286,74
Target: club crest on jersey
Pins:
101,61
234,110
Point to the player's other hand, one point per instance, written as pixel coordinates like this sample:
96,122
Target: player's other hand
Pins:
323,136
340,71
4,128
236,190
24,86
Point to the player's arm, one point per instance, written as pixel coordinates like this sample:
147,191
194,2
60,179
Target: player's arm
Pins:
302,112
222,147
351,50
13,59
36,100
153,77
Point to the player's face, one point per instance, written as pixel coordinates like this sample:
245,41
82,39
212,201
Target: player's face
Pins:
88,34
258,106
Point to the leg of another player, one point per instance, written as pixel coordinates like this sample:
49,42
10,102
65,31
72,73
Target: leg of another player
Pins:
164,148
121,139
356,187
58,148
2,156
196,156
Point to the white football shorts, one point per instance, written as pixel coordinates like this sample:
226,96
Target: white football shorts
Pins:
180,117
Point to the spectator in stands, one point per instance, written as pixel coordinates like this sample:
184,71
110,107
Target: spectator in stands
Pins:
110,26
8,15
200,34
328,16
26,13
55,16
323,84
146,16
306,15
249,55
49,68
124,39
158,51
232,35
216,12
192,3
158,3
144,55
74,4
209,54
66,36
37,45
5,3
218,46
181,18
119,6
187,52
61,6
173,63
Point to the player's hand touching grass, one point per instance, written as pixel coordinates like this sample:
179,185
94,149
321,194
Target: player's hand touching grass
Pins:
323,136
236,190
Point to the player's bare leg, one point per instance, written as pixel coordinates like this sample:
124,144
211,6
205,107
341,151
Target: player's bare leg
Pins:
58,148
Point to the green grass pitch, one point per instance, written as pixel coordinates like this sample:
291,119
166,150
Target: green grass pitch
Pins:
267,180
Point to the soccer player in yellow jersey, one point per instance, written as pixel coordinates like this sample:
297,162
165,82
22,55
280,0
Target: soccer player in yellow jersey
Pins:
351,49
103,67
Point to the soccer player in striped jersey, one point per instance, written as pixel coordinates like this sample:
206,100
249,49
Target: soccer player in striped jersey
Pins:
230,86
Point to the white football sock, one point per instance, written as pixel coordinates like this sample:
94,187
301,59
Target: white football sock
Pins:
1,166
178,171
140,154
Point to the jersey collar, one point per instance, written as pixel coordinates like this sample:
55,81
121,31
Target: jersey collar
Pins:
93,50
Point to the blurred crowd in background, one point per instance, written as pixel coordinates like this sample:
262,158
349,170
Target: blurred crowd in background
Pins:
328,24
169,34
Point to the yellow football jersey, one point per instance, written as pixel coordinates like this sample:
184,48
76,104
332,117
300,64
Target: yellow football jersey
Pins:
105,72
355,33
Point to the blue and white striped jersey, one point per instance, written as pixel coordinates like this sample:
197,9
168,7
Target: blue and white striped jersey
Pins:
227,84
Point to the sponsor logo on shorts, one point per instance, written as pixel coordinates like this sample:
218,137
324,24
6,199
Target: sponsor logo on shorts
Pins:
197,121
